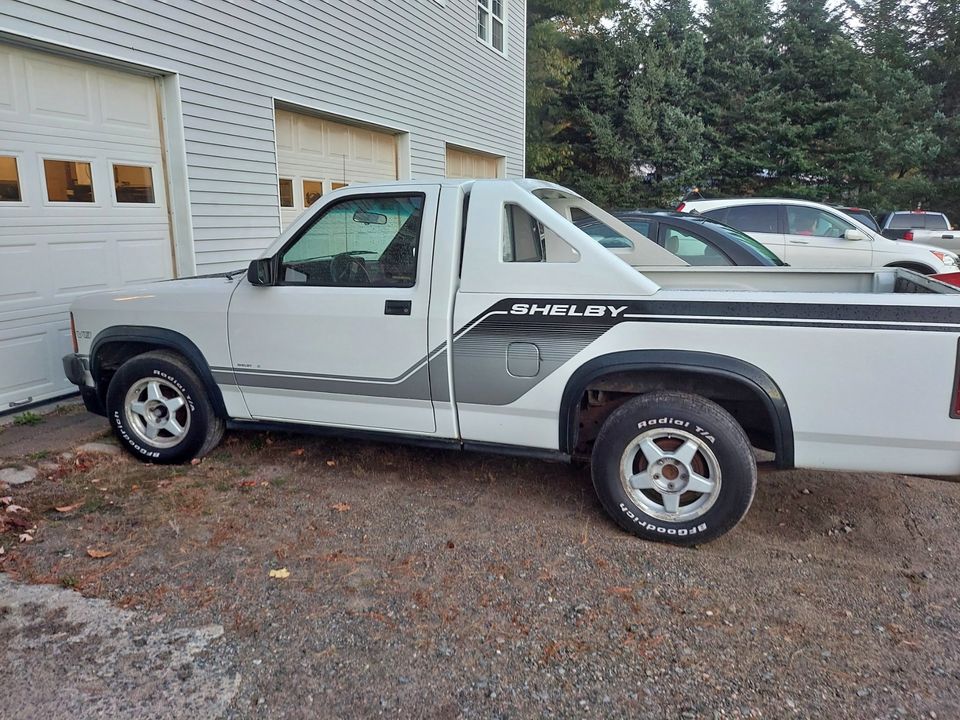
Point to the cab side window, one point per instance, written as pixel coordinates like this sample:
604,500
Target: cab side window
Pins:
810,221
526,239
364,241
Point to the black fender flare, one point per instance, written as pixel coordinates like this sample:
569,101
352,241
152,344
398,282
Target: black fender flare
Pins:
758,382
161,338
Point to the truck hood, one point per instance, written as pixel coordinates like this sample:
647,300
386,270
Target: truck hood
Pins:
203,294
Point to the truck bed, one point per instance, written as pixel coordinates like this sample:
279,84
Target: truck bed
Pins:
869,282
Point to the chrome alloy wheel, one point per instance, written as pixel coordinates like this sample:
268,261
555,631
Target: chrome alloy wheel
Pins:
670,474
157,412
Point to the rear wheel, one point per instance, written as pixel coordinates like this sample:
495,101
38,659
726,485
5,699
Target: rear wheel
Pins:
160,411
674,467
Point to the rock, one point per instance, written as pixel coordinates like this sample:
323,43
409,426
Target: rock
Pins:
48,466
98,448
18,476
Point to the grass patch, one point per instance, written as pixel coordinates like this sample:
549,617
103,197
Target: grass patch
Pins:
69,581
28,418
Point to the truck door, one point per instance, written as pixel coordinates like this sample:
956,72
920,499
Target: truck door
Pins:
341,337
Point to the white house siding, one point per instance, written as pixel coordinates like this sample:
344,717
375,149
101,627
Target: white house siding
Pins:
414,67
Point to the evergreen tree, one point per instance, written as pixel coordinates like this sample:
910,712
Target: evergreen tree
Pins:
551,64
740,105
823,110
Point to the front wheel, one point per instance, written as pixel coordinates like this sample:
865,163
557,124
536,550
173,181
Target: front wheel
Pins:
159,409
674,467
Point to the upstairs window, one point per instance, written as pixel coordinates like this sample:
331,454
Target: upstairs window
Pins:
491,23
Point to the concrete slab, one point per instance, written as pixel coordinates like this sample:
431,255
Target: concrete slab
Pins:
65,428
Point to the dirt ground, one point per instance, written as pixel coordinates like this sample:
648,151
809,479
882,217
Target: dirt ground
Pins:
433,584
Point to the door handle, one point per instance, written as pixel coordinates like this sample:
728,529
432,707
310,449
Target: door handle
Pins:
799,242
397,307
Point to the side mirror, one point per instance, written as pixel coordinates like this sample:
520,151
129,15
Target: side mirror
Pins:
260,272
854,235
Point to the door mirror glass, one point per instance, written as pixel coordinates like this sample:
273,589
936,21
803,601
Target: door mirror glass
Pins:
260,272
854,235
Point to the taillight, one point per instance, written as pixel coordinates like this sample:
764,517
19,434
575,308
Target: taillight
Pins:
680,207
908,235
73,334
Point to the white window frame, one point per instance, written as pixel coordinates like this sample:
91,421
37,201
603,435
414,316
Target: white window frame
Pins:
97,193
157,199
485,8
18,159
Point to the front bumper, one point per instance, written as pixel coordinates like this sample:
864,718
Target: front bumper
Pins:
77,369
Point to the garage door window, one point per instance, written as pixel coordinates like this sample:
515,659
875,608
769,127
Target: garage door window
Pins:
68,181
9,180
133,184
286,192
312,191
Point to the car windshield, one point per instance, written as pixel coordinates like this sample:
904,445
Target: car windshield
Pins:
739,237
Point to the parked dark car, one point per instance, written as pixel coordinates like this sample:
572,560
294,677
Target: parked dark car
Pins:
861,214
697,240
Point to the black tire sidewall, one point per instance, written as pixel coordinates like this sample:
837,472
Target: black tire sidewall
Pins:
148,366
733,453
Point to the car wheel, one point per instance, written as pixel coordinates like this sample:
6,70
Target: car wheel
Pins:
160,411
674,467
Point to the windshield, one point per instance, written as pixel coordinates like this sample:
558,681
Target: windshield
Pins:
742,238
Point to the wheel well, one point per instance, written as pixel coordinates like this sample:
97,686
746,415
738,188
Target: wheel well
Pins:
110,353
916,267
743,400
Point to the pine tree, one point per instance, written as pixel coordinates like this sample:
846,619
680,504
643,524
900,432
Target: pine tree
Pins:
740,105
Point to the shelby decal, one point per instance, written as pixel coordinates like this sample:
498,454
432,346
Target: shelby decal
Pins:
567,310
679,532
674,422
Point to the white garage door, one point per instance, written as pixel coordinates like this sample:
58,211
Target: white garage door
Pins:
470,164
316,155
82,205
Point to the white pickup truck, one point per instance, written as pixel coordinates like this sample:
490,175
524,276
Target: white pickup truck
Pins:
475,315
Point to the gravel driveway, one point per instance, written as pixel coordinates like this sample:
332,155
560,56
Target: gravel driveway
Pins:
432,584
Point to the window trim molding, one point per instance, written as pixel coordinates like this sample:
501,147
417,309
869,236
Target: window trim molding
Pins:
504,20
17,156
152,167
45,196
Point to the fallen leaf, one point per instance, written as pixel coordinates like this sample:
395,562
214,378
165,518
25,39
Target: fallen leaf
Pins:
331,463
248,483
16,508
6,499
26,537
340,507
280,574
98,554
2,550
298,451
265,483
621,591
69,508
196,461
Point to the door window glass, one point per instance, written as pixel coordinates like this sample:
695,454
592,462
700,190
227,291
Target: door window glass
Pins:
749,218
133,184
9,180
810,221
693,249
359,242
526,239
286,192
68,181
